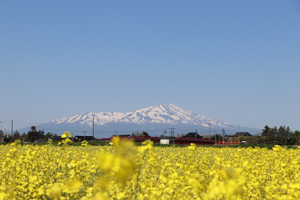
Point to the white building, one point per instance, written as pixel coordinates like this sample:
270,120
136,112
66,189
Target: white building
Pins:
167,140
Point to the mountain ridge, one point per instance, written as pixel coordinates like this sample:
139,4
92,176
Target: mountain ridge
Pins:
164,113
154,119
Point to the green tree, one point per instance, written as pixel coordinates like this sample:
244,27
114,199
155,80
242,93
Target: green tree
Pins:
24,137
273,132
265,131
295,137
218,137
269,135
281,134
286,134
16,135
33,134
47,136
145,134
1,136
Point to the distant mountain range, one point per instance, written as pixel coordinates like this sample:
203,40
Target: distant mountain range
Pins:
155,120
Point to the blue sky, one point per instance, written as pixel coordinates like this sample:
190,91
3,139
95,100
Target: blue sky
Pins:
236,61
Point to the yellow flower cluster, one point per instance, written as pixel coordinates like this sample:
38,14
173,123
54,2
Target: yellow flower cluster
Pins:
66,134
126,171
84,143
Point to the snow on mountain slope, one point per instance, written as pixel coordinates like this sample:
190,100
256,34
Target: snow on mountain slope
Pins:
160,114
99,118
154,119
163,114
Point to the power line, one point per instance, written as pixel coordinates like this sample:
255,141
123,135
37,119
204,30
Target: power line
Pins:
209,128
93,129
123,130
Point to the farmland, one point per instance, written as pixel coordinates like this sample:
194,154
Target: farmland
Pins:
123,170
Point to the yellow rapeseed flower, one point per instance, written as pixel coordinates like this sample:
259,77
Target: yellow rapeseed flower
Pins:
73,185
192,146
129,171
66,134
55,191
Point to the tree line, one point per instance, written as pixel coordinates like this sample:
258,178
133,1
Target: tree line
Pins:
282,135
31,136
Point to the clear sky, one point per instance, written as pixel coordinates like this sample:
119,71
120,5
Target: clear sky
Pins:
235,61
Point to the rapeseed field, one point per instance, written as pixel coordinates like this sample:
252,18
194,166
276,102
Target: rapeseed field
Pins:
126,171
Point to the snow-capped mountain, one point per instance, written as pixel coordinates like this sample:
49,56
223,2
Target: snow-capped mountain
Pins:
155,120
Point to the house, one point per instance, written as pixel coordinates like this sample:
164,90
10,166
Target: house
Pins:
194,135
55,138
143,134
237,134
87,138
122,136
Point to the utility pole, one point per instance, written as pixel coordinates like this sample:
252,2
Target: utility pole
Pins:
209,128
12,131
216,137
172,132
223,134
227,138
93,129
